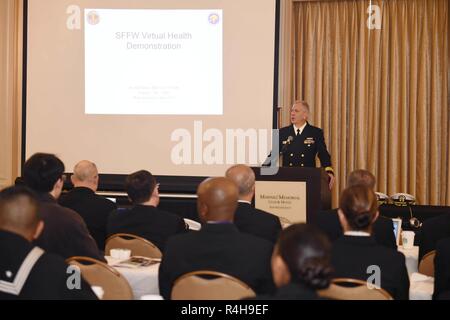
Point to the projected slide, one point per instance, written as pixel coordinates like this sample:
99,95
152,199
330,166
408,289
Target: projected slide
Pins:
153,62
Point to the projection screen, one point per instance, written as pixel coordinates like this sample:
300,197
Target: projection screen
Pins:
180,88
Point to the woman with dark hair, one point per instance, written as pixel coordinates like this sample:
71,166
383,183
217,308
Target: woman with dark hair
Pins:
357,255
300,263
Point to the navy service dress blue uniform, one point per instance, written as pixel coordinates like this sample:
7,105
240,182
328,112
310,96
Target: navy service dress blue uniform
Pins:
301,150
29,273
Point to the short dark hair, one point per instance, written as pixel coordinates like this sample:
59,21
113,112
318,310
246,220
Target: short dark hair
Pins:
359,205
41,171
16,213
140,186
307,254
362,177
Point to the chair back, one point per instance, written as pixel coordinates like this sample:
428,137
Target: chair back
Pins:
353,289
97,273
138,245
217,286
426,265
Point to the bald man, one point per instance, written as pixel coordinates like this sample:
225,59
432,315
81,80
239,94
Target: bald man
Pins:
218,246
302,143
247,218
26,271
94,209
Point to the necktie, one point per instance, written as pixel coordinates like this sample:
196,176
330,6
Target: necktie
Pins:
298,132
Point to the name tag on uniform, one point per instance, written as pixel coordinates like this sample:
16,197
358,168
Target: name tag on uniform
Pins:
309,141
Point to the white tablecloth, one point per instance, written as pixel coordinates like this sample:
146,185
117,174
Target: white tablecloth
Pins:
143,280
420,286
412,256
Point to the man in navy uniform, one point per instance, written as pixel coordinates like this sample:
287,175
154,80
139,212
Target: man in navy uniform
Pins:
301,142
93,208
247,218
26,271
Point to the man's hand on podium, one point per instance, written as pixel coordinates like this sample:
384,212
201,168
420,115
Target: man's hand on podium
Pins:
331,183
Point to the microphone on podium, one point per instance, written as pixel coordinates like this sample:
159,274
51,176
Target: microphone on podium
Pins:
286,143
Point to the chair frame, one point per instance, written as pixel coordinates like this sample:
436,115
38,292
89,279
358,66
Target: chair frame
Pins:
426,257
81,259
93,261
358,283
215,274
133,237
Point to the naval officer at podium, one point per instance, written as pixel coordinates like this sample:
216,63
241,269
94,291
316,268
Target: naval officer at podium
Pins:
301,142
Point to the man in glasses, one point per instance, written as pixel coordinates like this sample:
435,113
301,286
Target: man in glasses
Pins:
144,219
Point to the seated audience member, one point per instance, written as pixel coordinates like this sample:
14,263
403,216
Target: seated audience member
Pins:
145,219
442,270
93,208
383,229
433,230
19,182
357,250
247,218
65,232
300,263
26,271
218,246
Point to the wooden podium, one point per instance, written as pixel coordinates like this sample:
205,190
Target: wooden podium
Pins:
293,193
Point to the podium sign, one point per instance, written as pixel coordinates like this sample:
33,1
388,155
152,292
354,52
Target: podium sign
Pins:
296,189
283,198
